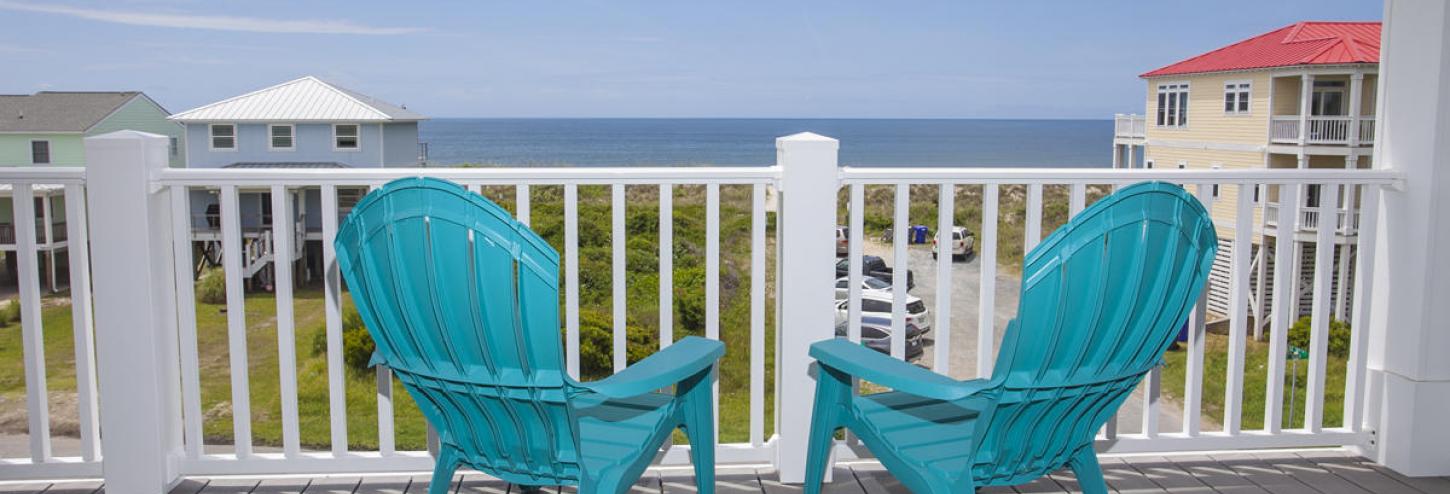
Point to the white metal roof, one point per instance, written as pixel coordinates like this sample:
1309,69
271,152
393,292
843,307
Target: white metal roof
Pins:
308,99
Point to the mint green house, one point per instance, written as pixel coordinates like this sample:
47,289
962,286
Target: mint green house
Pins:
47,128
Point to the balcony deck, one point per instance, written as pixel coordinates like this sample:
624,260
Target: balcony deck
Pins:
1307,471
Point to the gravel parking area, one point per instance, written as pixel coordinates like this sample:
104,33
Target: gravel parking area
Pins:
966,291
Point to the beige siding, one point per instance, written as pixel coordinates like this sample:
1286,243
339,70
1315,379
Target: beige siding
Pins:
1371,86
1207,120
1286,95
1223,208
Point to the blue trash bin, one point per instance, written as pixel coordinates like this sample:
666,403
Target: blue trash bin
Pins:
918,234
1183,333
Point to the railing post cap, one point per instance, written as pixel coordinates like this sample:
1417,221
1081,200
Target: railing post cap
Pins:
806,137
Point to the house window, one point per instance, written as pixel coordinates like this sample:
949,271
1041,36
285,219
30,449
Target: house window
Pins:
345,136
175,147
1236,96
1311,196
40,152
280,137
1328,99
1173,104
223,136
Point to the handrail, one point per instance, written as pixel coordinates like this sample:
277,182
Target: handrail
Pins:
895,175
257,177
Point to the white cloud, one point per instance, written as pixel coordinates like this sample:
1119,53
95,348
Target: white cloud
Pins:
211,22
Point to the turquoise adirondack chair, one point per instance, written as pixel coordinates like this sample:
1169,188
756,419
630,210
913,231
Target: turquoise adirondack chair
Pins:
1102,298
463,303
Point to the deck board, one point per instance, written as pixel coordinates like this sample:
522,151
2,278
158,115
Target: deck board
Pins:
1315,472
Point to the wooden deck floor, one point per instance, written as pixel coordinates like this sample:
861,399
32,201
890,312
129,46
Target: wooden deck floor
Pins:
1327,472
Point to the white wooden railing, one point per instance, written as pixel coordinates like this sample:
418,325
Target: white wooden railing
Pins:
148,343
1285,129
1346,220
1130,126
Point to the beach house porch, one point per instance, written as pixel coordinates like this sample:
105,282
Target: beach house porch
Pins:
154,407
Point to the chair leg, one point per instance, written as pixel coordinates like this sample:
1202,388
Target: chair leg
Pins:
697,405
1089,473
443,471
833,389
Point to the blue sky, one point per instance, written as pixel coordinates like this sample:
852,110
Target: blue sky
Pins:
1029,59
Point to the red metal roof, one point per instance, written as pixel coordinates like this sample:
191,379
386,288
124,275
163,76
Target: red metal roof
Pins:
1304,43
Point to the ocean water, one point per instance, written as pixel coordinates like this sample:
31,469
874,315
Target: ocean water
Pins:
712,141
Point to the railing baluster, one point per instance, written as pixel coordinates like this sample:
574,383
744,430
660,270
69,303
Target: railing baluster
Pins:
181,245
521,202
1197,333
384,386
667,269
1238,308
386,440
617,279
1282,304
712,283
899,232
946,250
83,323
987,294
1152,391
1359,329
1033,228
37,402
1320,313
757,315
332,316
571,279
1077,199
282,251
856,223
236,322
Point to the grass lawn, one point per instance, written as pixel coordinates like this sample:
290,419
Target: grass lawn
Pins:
1255,384
60,375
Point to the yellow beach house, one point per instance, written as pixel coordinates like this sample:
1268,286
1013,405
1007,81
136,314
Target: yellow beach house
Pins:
1301,96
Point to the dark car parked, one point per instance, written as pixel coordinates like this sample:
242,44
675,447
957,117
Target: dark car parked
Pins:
876,335
874,267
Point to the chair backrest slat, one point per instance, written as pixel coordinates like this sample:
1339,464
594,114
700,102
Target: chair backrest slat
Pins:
463,304
1101,300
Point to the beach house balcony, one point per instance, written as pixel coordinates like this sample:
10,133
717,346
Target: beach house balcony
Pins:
1324,107
131,384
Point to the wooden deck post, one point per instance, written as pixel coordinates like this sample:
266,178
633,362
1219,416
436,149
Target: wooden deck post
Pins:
135,323
806,307
1409,321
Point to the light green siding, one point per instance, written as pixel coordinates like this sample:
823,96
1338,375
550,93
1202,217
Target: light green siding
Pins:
65,149
142,114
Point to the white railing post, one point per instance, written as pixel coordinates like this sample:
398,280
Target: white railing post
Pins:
135,319
1409,376
806,310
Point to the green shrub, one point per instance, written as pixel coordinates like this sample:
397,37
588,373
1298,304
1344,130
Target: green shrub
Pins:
1339,336
357,344
596,344
10,313
211,286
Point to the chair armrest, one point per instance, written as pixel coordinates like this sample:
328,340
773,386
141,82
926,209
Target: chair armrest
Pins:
868,364
667,367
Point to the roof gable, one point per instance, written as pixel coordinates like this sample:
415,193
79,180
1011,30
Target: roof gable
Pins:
59,111
308,99
1304,43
